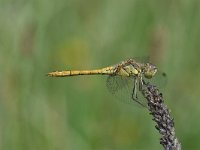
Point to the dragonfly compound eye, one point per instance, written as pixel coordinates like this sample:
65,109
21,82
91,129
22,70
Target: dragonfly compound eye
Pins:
149,70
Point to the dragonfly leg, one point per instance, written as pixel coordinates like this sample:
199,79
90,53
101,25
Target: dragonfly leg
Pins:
134,94
141,83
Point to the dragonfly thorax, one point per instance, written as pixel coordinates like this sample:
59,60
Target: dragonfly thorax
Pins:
131,70
128,70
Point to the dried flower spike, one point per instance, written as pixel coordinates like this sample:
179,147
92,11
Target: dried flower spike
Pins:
161,115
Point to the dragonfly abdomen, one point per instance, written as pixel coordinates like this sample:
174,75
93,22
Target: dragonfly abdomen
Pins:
103,71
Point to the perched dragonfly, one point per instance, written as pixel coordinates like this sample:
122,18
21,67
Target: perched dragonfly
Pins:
127,75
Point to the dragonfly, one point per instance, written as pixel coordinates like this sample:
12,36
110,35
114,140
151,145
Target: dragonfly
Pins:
127,75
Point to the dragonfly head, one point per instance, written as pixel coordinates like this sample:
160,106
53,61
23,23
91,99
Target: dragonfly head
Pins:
149,70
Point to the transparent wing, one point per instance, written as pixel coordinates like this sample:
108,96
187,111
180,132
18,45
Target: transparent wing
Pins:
122,88
142,59
160,80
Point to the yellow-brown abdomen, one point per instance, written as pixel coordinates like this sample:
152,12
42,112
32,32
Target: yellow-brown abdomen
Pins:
103,71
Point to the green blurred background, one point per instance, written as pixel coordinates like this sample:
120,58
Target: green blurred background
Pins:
38,36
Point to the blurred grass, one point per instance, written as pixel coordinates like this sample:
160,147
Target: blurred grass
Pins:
36,37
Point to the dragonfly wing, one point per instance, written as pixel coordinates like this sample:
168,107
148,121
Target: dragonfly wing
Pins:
160,80
142,59
123,87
